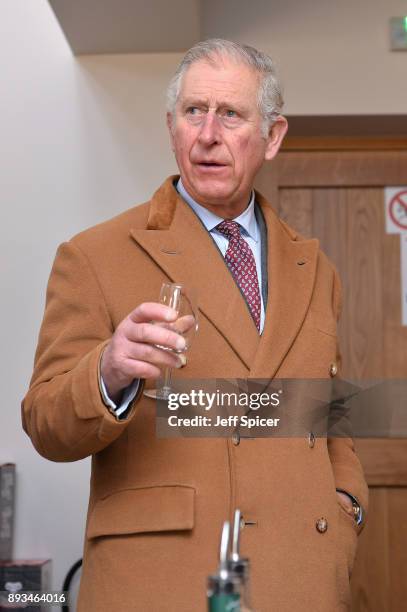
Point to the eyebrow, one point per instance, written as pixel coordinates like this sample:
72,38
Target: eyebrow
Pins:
196,101
191,101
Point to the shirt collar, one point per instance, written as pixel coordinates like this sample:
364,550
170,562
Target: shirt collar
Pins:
247,219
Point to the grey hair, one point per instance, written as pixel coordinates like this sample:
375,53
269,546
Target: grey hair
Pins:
270,98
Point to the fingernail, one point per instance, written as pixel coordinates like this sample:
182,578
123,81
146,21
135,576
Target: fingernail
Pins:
182,359
169,315
180,344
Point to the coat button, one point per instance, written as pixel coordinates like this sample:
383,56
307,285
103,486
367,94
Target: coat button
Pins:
311,440
236,438
333,369
321,525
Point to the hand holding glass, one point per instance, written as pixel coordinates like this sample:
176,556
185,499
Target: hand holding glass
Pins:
183,301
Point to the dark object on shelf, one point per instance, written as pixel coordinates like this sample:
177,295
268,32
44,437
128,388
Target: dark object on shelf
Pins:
25,575
7,504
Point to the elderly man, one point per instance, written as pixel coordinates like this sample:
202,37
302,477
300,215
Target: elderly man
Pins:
156,505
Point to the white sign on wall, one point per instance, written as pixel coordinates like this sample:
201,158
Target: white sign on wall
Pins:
395,205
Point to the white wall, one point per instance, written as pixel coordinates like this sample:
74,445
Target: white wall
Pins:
80,141
333,55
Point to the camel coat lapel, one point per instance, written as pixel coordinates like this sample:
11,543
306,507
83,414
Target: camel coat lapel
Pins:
291,270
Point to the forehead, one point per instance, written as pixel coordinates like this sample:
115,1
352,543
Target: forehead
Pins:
221,80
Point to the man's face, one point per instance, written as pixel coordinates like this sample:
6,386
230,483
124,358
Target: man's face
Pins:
216,134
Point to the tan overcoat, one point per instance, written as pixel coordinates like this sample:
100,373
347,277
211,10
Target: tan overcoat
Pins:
157,505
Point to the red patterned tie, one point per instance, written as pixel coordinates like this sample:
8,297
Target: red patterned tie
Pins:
240,260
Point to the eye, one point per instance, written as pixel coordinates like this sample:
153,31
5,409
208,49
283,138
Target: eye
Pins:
194,111
194,114
230,117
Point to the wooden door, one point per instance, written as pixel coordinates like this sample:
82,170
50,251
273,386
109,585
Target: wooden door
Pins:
337,196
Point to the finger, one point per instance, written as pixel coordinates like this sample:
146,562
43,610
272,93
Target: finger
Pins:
148,333
153,355
183,324
142,369
152,311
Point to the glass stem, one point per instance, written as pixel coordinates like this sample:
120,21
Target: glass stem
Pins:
166,389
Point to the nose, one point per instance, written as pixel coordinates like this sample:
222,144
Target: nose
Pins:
210,132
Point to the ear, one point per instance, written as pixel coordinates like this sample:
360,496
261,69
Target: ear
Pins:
276,134
170,125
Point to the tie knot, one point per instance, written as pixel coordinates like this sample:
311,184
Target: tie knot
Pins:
230,229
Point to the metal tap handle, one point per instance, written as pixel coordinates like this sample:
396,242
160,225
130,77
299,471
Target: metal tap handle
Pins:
236,536
224,550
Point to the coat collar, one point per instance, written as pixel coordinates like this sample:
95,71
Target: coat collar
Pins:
180,245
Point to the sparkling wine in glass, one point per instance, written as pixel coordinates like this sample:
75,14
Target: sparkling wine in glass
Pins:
183,301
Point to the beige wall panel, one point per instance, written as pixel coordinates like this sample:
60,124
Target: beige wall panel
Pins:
395,335
267,183
378,580
384,462
397,529
371,573
329,225
295,207
364,254
349,168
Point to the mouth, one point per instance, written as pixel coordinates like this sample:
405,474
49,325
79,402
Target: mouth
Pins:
210,165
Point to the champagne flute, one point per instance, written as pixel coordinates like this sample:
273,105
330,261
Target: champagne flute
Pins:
183,301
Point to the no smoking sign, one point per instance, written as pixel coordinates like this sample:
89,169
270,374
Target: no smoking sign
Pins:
395,205
395,199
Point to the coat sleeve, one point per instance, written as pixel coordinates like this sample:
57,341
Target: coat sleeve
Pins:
63,412
347,469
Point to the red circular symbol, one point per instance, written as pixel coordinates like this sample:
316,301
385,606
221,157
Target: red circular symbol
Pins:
398,209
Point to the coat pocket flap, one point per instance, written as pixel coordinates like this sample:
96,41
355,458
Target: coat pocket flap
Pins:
140,510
